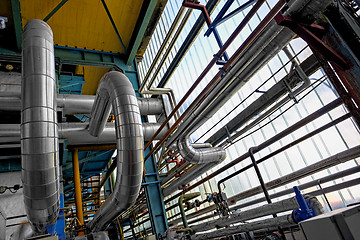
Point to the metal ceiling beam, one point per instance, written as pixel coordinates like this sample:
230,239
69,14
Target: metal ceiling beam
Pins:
114,25
194,32
86,159
140,27
15,6
55,10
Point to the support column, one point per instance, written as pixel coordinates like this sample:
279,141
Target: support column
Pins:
78,199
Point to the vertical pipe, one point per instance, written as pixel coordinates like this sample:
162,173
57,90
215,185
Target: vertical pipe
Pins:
78,200
258,173
39,129
263,186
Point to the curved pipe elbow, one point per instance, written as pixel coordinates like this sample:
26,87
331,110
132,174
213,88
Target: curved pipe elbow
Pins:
116,90
199,156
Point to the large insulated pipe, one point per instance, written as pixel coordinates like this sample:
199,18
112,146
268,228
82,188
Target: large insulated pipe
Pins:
116,90
39,132
199,156
76,133
82,104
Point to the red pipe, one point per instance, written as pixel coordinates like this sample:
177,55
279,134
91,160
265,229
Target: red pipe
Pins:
245,21
215,79
199,7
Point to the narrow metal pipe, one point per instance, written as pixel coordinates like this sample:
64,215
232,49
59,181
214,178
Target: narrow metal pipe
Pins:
263,186
258,174
205,71
107,175
170,46
265,144
78,197
313,133
269,224
39,133
304,186
162,47
330,189
182,198
334,160
261,211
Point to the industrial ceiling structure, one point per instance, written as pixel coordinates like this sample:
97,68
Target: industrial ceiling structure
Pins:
166,119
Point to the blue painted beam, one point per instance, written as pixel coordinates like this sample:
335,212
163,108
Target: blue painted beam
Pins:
154,197
138,34
15,6
55,10
114,25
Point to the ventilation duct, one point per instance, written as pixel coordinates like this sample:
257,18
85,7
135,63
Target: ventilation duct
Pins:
39,134
116,90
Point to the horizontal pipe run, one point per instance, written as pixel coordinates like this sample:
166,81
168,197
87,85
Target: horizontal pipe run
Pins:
77,133
265,101
265,144
265,210
304,186
82,104
277,195
269,224
313,168
311,134
201,77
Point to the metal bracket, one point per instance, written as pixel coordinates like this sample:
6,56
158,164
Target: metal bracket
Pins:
3,20
308,34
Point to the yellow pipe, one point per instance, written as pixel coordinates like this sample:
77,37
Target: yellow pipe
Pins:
78,200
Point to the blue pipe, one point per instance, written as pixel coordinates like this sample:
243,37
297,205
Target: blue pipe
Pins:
219,21
219,16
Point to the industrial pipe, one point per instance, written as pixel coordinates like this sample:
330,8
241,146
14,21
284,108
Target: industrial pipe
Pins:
199,156
82,104
182,199
265,210
311,134
268,224
265,144
306,171
265,100
116,90
39,134
334,160
205,71
77,184
281,194
76,133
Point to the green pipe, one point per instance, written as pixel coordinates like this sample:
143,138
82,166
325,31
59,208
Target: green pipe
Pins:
182,199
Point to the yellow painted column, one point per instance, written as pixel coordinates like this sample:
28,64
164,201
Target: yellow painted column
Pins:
78,199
